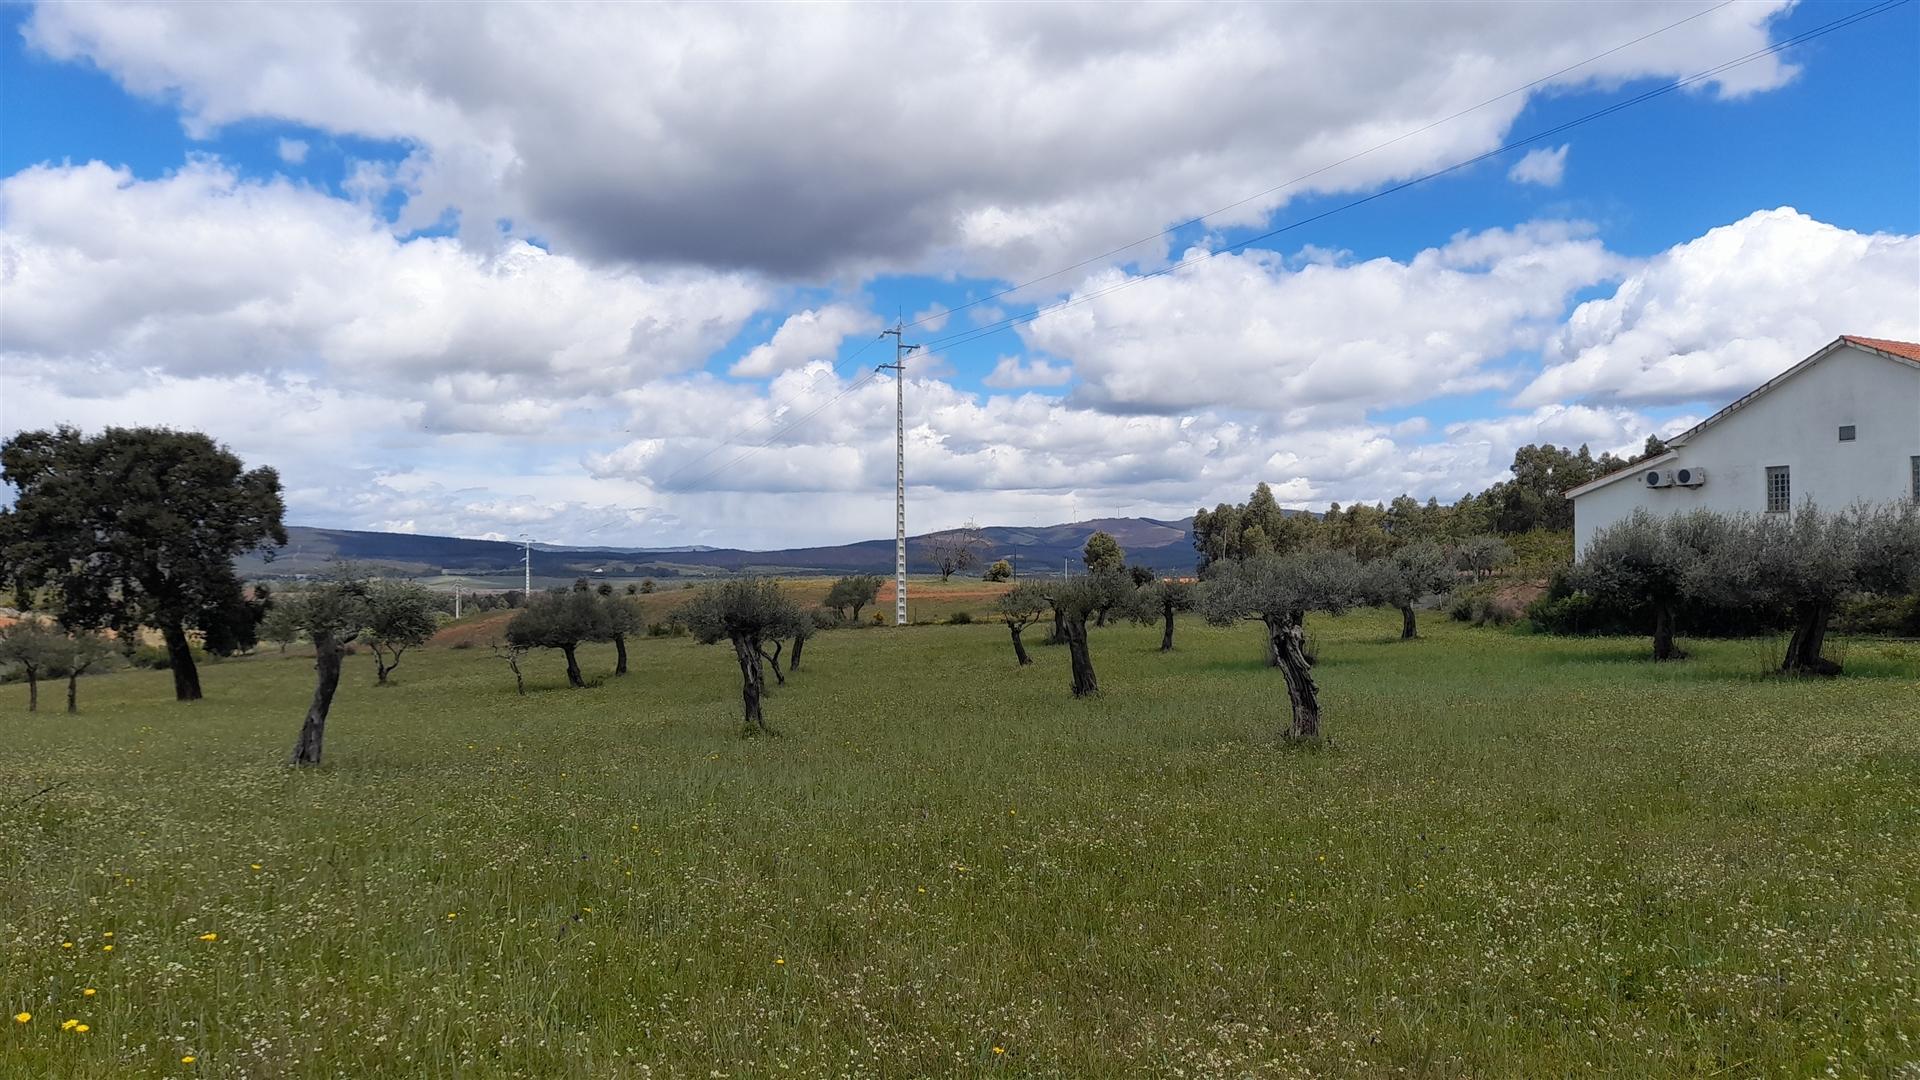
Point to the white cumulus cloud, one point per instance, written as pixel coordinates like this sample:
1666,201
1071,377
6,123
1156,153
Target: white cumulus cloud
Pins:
1714,317
1545,167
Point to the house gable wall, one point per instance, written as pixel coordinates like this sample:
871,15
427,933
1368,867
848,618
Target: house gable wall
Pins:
1796,424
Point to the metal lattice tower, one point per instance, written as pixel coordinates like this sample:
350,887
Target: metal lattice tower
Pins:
899,369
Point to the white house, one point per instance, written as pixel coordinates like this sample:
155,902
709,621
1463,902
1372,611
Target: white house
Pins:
1841,426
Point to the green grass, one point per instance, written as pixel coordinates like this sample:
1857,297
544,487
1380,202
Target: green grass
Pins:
1520,856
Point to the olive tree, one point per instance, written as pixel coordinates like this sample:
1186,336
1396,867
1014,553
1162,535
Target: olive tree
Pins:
1073,600
1021,607
80,651
279,626
1276,591
400,615
622,619
1482,555
1160,601
1400,579
746,612
331,614
34,646
849,594
561,620
1652,563
808,624
1808,562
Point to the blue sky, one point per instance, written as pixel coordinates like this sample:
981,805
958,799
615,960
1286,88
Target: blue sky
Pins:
311,200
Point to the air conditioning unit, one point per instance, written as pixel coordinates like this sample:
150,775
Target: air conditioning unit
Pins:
1690,477
1659,478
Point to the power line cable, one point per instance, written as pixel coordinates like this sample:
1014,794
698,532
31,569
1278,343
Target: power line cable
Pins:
1303,177
1660,91
1823,29
775,409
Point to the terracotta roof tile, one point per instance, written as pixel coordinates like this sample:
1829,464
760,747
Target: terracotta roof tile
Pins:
1907,349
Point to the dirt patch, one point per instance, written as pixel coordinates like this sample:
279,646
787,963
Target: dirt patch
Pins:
477,632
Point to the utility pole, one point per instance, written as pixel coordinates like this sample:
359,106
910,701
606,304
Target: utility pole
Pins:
899,368
526,559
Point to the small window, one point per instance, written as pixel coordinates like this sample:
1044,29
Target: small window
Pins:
1846,433
1779,489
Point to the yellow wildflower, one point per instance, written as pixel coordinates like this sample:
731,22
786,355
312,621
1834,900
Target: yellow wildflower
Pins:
187,1059
453,915
82,1028
88,992
69,1025
66,944
107,934
255,867
21,1018
209,936
999,1049
106,948
780,960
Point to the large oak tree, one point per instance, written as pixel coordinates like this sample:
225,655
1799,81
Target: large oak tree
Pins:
138,527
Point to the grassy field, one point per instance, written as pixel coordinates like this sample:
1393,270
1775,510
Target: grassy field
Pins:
1520,856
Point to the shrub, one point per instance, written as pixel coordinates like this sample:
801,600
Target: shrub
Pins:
1885,616
959,618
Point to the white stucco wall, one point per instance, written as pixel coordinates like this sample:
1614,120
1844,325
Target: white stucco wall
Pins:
1796,424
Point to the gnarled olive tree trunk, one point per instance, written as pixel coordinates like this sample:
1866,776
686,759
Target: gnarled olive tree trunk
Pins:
774,662
574,678
748,653
1166,633
620,654
1284,646
793,662
73,691
382,666
1408,630
1663,643
1084,682
1019,648
186,677
1809,640
327,654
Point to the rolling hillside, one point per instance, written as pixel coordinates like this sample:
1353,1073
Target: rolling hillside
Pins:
1166,546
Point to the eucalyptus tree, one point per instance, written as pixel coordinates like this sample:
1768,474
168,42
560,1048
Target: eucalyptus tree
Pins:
1400,579
1276,591
747,613
1021,607
138,527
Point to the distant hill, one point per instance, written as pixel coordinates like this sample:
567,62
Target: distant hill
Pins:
1166,546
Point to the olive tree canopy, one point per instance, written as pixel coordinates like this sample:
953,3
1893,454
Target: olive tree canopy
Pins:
746,612
561,620
1276,590
1400,579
